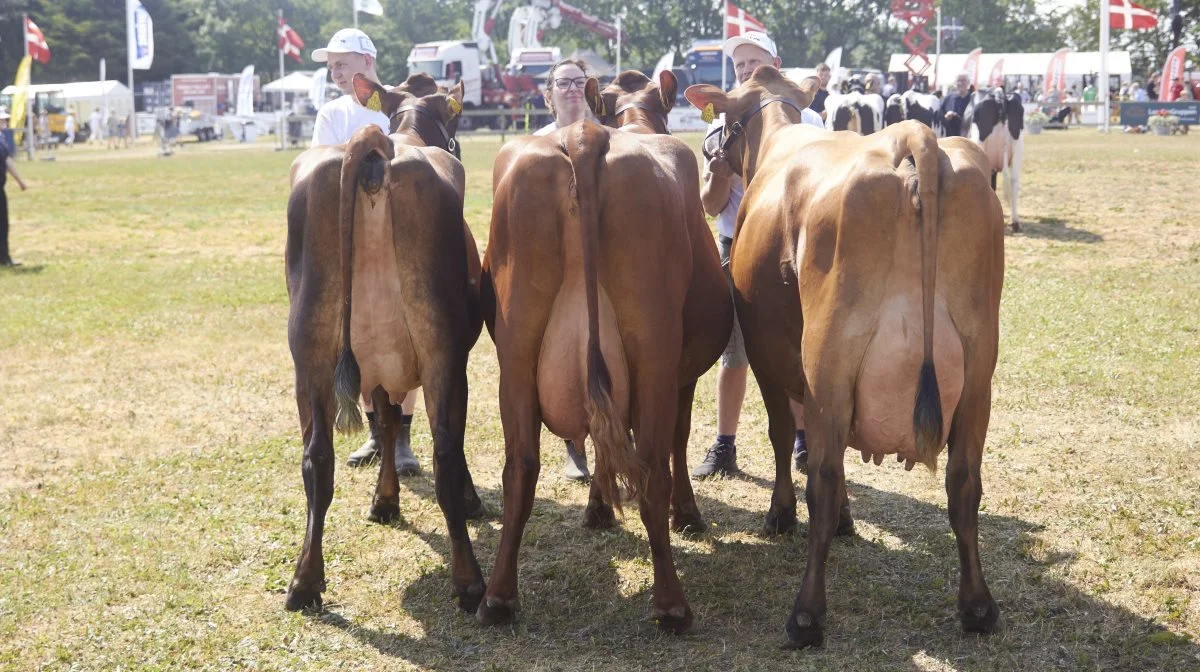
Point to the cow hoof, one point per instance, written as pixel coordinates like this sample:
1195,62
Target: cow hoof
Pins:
983,619
304,596
468,597
804,631
1016,226
384,511
845,526
677,620
494,611
688,522
475,508
780,521
599,516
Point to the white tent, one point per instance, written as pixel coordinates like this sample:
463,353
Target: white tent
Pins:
294,82
1079,63
81,97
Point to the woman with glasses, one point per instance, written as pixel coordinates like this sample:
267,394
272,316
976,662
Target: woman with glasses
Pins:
564,98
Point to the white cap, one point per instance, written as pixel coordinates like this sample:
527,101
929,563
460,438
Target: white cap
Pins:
754,37
346,41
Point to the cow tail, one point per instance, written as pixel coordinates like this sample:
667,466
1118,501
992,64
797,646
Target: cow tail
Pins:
364,163
616,462
927,411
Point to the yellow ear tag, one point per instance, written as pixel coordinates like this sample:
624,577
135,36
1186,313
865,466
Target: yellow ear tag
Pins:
455,106
374,103
708,114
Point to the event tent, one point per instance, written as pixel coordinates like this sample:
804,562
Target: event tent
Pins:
299,81
81,97
1079,63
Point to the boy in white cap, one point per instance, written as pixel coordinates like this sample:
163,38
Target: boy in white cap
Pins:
721,194
351,52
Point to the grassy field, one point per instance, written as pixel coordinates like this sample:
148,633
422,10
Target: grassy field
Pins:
151,507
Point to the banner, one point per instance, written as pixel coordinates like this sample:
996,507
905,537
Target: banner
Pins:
319,83
141,37
1056,72
19,102
997,77
971,66
1172,70
834,60
368,7
245,94
1123,14
38,49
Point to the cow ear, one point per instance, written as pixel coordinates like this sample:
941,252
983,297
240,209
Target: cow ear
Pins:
710,100
591,93
374,96
667,87
808,89
454,101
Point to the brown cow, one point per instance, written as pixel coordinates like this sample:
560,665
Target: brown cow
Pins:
591,281
867,275
633,103
379,220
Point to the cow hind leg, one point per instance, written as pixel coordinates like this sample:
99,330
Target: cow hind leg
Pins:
446,406
824,494
654,425
317,469
685,514
521,419
781,427
977,610
385,506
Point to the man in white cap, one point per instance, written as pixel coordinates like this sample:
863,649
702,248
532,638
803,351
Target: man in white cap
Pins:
351,52
721,195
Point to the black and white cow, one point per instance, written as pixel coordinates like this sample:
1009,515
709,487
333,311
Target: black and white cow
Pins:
922,107
855,111
995,121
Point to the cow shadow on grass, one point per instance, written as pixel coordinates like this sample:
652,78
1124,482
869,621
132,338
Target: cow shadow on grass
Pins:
586,598
1055,228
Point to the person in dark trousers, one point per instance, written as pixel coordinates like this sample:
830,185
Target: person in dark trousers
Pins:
954,105
6,153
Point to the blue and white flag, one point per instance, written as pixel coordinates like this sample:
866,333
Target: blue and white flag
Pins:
141,35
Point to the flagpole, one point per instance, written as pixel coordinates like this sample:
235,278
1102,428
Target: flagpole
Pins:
938,52
354,4
279,111
28,91
724,37
130,51
1105,111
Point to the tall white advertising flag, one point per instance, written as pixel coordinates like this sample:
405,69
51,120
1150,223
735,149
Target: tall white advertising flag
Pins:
245,97
141,36
368,7
317,92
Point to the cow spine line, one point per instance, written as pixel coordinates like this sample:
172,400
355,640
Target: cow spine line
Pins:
927,409
364,151
615,456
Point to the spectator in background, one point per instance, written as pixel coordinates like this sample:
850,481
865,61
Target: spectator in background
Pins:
95,126
954,105
818,101
1176,88
1138,94
69,128
9,167
889,89
1152,86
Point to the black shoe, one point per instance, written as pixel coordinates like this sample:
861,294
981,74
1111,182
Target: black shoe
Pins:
366,455
720,461
575,467
800,457
406,462
9,262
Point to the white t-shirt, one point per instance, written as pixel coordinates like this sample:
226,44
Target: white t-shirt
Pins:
727,219
547,129
337,120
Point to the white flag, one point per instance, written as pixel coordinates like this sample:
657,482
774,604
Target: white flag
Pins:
368,7
245,96
141,35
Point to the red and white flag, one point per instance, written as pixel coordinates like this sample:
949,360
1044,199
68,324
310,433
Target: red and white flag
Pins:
737,21
289,41
38,49
1172,70
1125,14
1056,72
997,77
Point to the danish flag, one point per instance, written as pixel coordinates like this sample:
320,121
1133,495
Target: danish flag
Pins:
737,21
1125,14
38,49
289,41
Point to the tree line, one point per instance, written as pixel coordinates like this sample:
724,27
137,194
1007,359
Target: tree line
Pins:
227,35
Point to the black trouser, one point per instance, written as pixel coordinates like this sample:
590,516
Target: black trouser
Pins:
4,258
